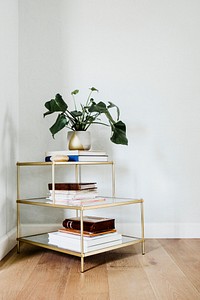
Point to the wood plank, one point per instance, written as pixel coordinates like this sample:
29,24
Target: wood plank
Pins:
90,285
165,272
185,252
15,270
167,280
126,277
49,277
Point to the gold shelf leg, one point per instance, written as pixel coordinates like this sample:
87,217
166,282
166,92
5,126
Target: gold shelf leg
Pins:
18,247
113,180
77,173
18,226
142,227
18,211
82,242
53,180
77,178
82,264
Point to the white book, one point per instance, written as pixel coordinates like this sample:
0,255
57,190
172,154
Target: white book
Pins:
90,248
88,240
64,197
91,158
90,243
74,202
74,192
75,152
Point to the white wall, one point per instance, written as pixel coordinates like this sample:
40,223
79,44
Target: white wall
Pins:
143,56
40,72
8,122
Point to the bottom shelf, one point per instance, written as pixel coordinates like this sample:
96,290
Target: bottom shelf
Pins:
41,240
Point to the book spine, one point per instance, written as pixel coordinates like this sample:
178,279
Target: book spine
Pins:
73,157
73,187
88,158
96,227
75,152
64,186
88,241
48,159
81,158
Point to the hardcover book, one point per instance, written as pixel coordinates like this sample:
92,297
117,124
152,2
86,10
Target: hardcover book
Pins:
81,158
75,152
88,158
73,186
90,223
85,233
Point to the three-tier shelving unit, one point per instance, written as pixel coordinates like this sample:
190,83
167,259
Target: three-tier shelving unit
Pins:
41,240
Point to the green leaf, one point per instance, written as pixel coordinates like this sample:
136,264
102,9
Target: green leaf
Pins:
119,133
99,107
113,105
91,100
75,92
54,105
93,89
76,113
60,123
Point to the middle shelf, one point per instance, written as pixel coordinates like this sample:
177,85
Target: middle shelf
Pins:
107,202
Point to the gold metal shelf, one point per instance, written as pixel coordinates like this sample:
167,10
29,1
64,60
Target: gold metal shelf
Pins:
42,240
32,163
108,202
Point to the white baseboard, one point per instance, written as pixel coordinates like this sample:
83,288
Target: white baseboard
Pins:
163,230
7,242
172,230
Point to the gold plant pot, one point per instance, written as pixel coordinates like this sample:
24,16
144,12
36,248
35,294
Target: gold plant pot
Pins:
79,140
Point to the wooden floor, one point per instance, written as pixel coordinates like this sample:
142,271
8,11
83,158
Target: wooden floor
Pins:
170,269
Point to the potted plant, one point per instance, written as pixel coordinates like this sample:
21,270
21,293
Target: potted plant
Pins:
80,119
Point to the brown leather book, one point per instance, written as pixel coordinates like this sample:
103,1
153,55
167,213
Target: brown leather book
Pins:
85,233
90,223
73,186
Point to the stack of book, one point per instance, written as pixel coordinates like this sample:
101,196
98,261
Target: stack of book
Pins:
98,233
74,193
76,155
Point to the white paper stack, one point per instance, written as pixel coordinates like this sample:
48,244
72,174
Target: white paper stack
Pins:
73,242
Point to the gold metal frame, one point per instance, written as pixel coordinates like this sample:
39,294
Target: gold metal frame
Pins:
110,202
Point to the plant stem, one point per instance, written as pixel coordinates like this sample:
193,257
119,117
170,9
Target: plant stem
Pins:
74,102
108,115
70,117
84,109
87,102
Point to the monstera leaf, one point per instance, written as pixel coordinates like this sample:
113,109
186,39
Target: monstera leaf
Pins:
119,133
55,105
60,123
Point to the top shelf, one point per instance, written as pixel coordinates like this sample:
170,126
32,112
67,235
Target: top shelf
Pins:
34,163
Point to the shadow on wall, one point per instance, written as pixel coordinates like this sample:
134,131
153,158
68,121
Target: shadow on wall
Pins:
8,173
